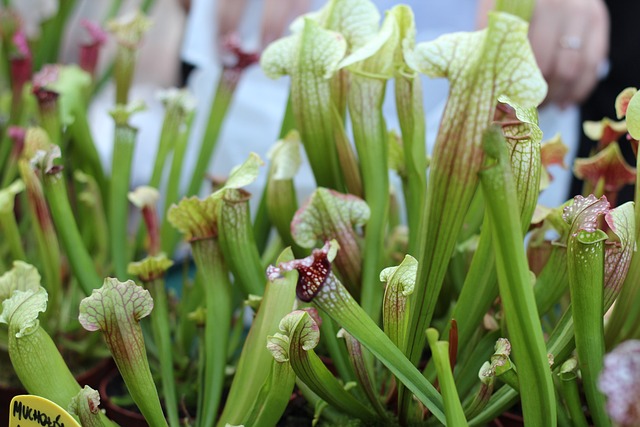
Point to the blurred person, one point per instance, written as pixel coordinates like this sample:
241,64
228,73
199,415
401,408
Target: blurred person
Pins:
624,71
569,38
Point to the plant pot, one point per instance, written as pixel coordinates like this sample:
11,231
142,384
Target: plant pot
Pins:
91,377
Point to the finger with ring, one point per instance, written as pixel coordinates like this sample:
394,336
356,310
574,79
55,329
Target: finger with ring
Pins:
570,42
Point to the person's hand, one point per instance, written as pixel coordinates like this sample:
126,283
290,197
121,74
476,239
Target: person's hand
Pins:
276,16
570,40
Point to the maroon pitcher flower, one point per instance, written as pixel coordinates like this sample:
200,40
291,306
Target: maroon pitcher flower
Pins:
21,64
90,49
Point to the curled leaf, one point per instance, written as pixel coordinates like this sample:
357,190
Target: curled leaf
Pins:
36,139
74,85
569,369
278,345
8,195
285,156
314,51
179,101
85,404
584,212
243,174
150,268
129,28
310,329
195,218
113,303
122,113
20,311
376,56
458,56
96,34
21,277
523,137
403,276
356,20
400,282
144,196
328,214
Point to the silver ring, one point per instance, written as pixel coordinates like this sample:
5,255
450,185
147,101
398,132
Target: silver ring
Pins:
570,42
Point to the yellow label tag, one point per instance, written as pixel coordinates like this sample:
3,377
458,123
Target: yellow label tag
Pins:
35,411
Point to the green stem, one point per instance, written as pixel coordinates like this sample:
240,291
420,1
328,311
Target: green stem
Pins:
11,235
312,102
124,68
586,283
282,204
262,223
255,360
480,287
168,136
452,406
560,344
81,134
218,300
470,362
95,226
125,137
49,114
409,103
568,389
112,11
40,367
237,242
46,238
336,349
364,371
79,258
162,337
273,398
347,158
553,280
134,368
334,299
168,235
370,135
538,396
310,369
219,107
625,318
48,46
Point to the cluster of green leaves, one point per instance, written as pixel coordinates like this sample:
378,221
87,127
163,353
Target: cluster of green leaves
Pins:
507,325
